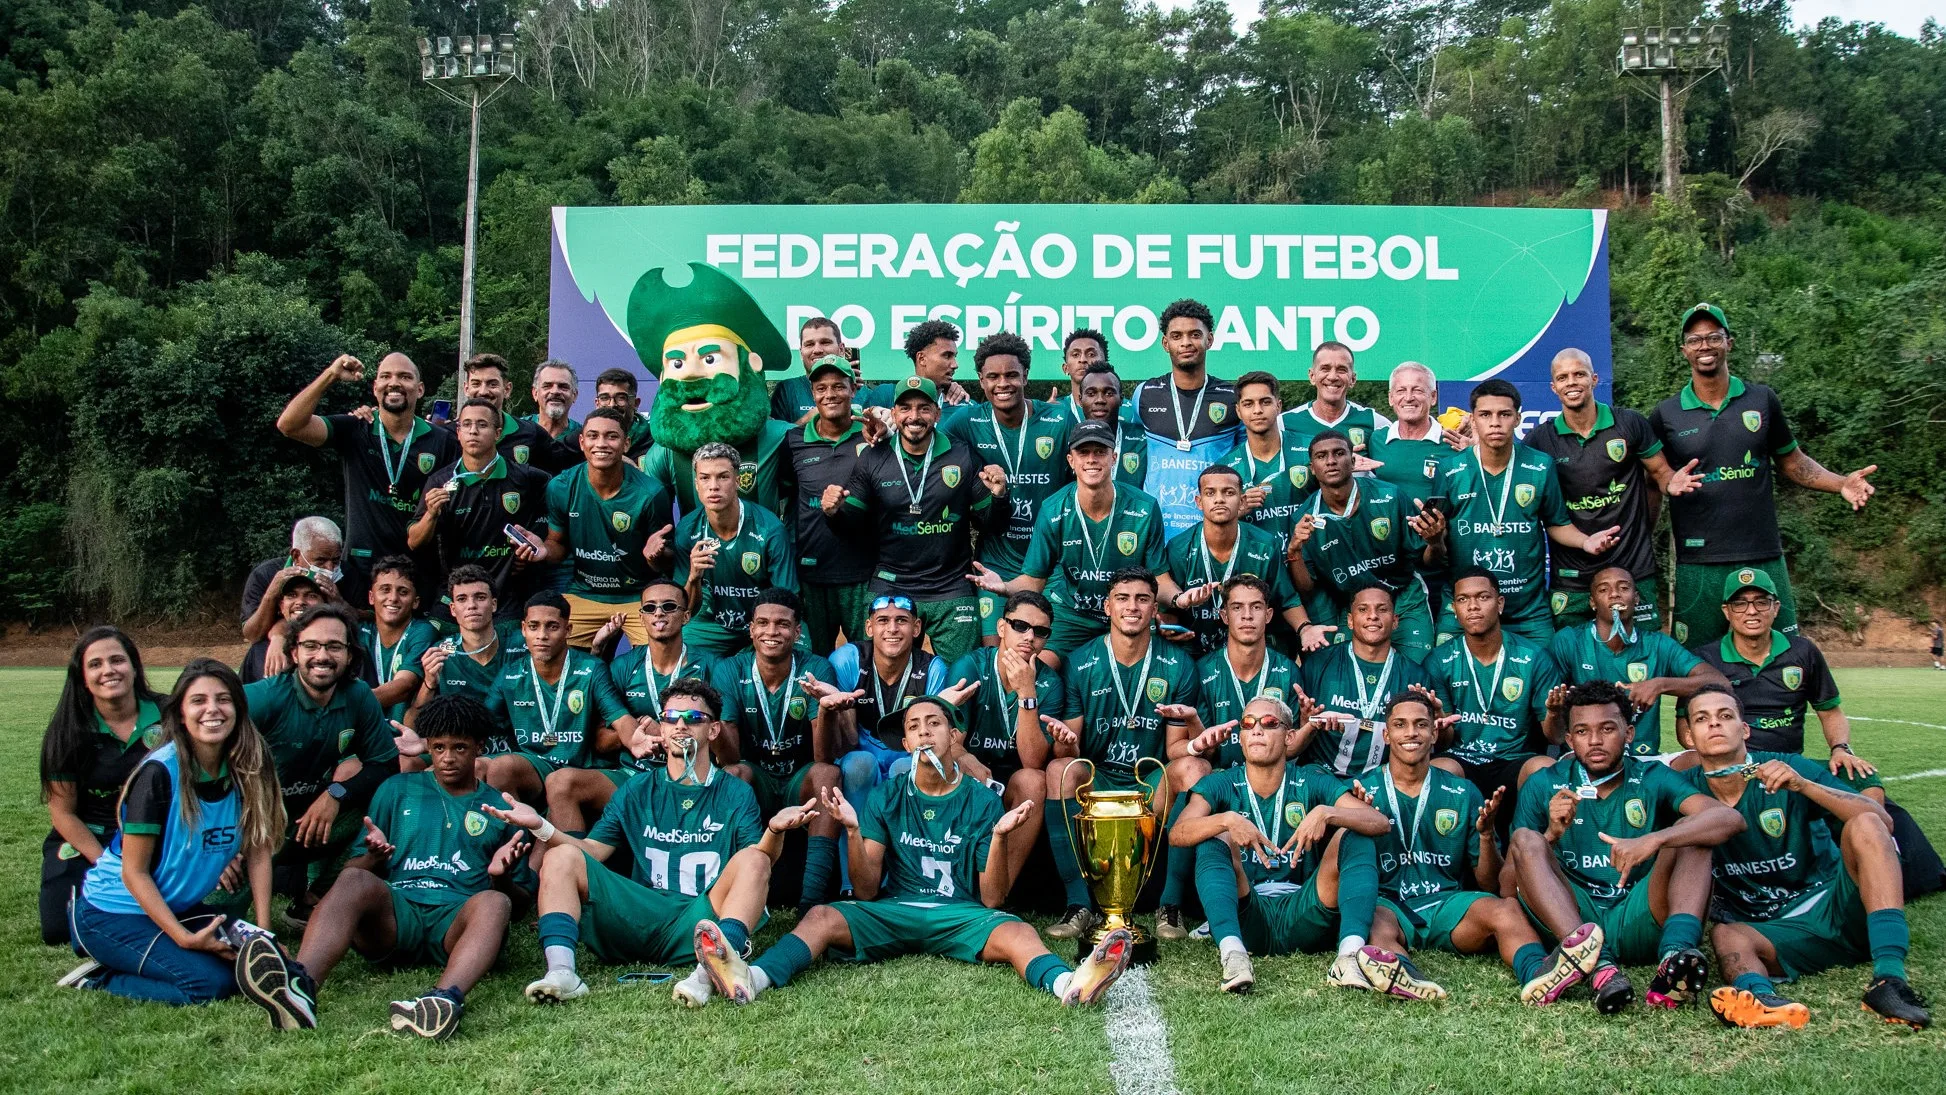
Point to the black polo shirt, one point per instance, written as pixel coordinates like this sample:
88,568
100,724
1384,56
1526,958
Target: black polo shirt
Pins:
925,555
823,557
104,765
560,453
469,529
1732,516
378,507
1775,693
522,442
1603,483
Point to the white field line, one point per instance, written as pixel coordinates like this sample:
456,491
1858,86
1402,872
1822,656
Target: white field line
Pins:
1138,1041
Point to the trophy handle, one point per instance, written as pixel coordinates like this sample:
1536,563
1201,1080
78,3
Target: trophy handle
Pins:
1067,817
1160,791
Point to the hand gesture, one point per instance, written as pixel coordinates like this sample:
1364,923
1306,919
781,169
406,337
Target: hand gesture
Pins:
1557,700
647,740
1212,738
608,629
833,801
1059,732
1560,811
516,813
1460,437
1013,819
656,548
210,940
959,692
1315,636
407,740
432,661
1175,712
1363,794
275,660
345,369
873,424
314,828
1362,463
1845,763
436,500
953,394
1598,543
1016,673
375,841
506,858
1310,832
1196,595
702,557
792,817
1484,823
1308,709
1251,840
1683,480
1430,524
1775,775
1643,694
1628,853
365,414
1300,533
833,497
987,579
1253,497
829,696
1856,489
995,478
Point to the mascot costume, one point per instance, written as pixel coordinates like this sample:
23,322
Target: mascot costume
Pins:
708,343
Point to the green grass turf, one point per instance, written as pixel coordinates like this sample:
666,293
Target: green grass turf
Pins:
938,1026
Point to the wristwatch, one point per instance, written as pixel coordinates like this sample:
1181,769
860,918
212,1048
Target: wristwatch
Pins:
1030,703
336,791
1845,745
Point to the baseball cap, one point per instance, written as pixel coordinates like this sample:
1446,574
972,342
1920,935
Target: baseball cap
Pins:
1091,433
1706,309
833,363
916,384
1744,578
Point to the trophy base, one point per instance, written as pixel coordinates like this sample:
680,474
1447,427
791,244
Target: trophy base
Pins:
1141,950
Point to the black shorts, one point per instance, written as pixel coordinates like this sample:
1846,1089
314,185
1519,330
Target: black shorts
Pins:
1495,774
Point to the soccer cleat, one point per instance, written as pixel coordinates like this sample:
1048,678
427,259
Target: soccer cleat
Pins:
695,990
1168,923
1613,992
1099,970
1387,973
729,974
81,976
1740,1008
265,976
1073,923
1895,1002
1573,960
556,987
430,1016
1345,974
1679,979
1201,932
1237,974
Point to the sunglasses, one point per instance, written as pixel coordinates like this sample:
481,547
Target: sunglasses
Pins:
1251,722
893,600
687,718
1040,631
661,608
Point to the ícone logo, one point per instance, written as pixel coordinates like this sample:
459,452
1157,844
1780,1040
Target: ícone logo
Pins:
1217,411
475,823
1130,462
1511,688
751,561
1638,672
1793,676
618,521
1381,528
1444,821
1043,447
1636,813
1617,448
577,699
1753,420
425,463
510,501
1293,813
1523,494
949,475
1125,543
1158,688
520,454
1773,821
1558,601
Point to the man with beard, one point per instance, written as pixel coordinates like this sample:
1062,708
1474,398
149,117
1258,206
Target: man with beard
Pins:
793,400
1276,470
1187,416
832,573
314,717
488,378
616,389
1101,401
466,508
709,344
1647,664
609,518
1332,375
1028,440
386,461
554,392
728,552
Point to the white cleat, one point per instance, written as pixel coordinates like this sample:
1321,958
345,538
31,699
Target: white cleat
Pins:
556,987
81,976
695,990
1388,974
1345,974
1237,974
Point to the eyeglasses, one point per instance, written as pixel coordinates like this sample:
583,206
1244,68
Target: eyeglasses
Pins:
1752,604
661,608
312,646
1714,338
893,600
1269,722
1039,631
687,718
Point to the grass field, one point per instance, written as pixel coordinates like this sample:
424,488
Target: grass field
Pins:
937,1026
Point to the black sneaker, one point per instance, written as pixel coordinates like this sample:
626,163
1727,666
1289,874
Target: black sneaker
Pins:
1073,923
276,984
1613,992
1679,979
430,1016
1895,1002
1168,923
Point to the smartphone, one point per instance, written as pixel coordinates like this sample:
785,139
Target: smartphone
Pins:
442,408
1175,629
238,931
519,537
651,977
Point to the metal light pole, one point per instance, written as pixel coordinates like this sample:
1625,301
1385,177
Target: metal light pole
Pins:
486,64
1669,54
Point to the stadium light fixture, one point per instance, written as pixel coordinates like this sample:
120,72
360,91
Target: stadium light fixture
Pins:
1673,55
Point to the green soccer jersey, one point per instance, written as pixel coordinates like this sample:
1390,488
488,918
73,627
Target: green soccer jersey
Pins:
679,835
1285,478
1408,465
935,845
1583,657
1785,850
460,675
605,536
1499,523
760,476
441,842
993,711
1432,847
558,721
1343,683
1079,555
1369,542
1501,702
1357,422
1306,787
1639,798
773,724
757,556
1035,458
1116,703
1191,562
387,661
1222,693
642,687
307,739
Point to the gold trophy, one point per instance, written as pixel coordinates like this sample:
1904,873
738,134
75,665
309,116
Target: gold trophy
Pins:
1118,845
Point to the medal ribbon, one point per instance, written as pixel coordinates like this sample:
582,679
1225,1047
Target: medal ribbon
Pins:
1115,677
1175,408
783,703
385,452
549,716
1407,836
910,490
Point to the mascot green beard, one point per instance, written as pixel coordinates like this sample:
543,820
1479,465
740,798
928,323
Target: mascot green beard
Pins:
708,343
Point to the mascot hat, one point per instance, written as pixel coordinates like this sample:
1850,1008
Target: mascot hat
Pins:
712,301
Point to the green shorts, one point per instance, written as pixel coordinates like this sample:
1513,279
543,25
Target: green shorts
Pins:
829,609
1572,609
1822,929
624,921
1293,923
1430,925
774,794
1699,599
423,918
953,625
1074,630
719,641
888,929
1628,928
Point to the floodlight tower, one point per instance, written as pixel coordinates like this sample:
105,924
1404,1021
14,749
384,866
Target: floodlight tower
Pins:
1672,54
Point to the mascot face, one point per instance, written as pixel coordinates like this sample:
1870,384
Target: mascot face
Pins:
709,343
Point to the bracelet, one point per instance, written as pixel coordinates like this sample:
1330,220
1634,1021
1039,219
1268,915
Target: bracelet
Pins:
545,832
1845,745
1193,751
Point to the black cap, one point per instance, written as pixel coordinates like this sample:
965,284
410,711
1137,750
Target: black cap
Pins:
1091,433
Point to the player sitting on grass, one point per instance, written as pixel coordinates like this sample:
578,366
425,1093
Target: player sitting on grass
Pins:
1786,906
938,838
693,836
1586,836
1441,829
444,899
1272,876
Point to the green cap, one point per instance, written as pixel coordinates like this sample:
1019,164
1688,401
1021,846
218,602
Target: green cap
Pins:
919,384
712,300
1706,309
891,725
1744,578
837,363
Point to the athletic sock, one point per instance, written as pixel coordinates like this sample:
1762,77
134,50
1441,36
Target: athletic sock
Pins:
1216,888
820,860
1061,983
1044,970
1890,937
1755,984
559,933
1357,888
734,933
1681,931
1229,945
1065,861
785,959
1528,961
1179,874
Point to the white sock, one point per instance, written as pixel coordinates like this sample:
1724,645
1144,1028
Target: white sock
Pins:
698,979
1350,944
759,980
559,958
1229,945
1061,984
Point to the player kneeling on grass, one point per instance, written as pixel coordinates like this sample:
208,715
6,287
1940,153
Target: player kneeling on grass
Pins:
1786,906
694,837
1441,827
946,835
444,899
1587,833
1272,876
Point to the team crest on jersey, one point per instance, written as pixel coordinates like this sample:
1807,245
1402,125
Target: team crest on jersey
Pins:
576,701
1125,543
1299,477
1445,821
751,561
619,521
1772,821
1381,528
949,475
1636,813
1793,676
1043,447
796,710
520,454
1682,632
1130,461
1432,469
986,607
1217,412
1158,688
1511,688
1523,494
475,823
344,741
152,737
1617,448
861,447
425,463
1638,672
1293,813
1357,437
1753,420
510,500
1558,601
746,476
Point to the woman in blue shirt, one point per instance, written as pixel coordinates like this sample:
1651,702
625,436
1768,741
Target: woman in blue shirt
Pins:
206,795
